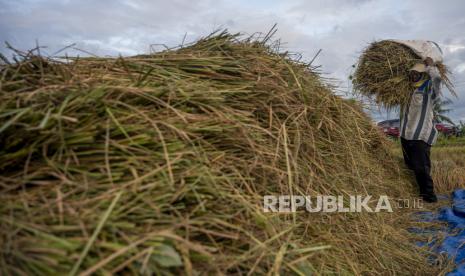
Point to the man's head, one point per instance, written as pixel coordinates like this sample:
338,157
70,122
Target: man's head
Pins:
417,72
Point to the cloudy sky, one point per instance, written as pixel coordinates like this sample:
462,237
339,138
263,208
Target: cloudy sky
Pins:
340,28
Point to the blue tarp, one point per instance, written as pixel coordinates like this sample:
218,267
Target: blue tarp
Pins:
454,242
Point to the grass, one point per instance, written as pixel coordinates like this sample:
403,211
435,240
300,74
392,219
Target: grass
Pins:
450,141
448,165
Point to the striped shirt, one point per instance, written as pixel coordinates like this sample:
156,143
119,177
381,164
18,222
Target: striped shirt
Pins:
417,118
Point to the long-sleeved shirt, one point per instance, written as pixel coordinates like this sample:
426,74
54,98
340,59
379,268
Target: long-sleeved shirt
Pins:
417,118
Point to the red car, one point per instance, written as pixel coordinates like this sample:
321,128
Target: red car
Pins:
445,129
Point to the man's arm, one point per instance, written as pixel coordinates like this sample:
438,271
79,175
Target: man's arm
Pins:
433,72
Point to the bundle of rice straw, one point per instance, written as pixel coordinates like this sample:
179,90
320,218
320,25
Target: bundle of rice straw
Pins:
158,164
382,73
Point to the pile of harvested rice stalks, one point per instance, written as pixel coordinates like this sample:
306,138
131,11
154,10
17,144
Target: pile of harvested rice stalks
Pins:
158,164
382,73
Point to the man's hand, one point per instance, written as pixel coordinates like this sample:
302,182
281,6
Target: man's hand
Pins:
429,61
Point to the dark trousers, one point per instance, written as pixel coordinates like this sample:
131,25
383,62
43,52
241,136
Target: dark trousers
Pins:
417,158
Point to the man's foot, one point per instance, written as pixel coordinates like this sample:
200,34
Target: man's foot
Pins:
430,198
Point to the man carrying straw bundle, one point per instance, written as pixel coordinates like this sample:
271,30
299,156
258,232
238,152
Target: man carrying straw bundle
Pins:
417,128
407,74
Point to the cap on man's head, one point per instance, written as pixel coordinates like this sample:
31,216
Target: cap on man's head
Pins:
419,67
